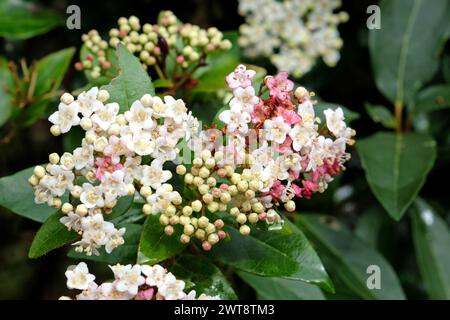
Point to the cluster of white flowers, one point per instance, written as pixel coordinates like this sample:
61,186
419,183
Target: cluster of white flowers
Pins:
131,282
293,33
109,164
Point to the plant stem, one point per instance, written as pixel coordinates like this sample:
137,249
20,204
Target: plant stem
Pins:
159,72
398,116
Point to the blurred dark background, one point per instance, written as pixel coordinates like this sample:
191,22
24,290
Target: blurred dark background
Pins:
349,84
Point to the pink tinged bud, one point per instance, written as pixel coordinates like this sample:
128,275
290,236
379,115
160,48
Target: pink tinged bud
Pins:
210,47
157,51
219,224
206,246
106,65
79,66
122,33
224,186
221,234
145,294
180,59
89,57
221,172
262,216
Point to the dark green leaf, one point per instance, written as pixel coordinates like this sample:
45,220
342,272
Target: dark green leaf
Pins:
52,235
273,254
431,240
269,288
123,254
396,167
432,99
6,91
122,206
155,245
131,83
381,114
405,51
206,276
18,196
22,20
347,257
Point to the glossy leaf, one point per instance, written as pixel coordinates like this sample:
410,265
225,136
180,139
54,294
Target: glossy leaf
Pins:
205,276
405,51
123,254
122,206
381,114
396,167
18,196
270,288
22,20
432,99
347,257
155,245
52,235
273,254
431,239
131,83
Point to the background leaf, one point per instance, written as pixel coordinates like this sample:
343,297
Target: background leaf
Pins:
432,99
155,245
431,239
381,114
131,83
6,90
405,51
18,196
270,288
273,254
396,167
347,258
52,235
206,277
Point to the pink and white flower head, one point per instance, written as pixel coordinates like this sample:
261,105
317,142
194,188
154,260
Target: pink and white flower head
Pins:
280,86
240,77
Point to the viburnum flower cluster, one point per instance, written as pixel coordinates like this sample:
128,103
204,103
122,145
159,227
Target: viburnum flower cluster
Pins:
187,44
269,151
292,33
131,282
120,152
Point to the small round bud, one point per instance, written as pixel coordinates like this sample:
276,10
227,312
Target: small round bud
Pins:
145,191
196,205
188,229
253,217
39,172
86,123
56,203
185,239
221,234
90,137
147,100
204,173
147,209
76,191
175,220
258,207
206,246
33,180
55,130
164,220
210,163
301,93
208,198
198,181
200,234
103,95
241,218
234,212
170,210
67,98
197,162
188,178
225,197
235,178
67,207
206,154
81,210
242,186
254,185
249,194
184,220
210,228
168,230
219,223
53,158
211,181
290,206
203,222
187,211
213,207
181,170
213,238
244,230
233,190
203,189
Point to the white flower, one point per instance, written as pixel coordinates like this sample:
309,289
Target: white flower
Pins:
139,117
235,119
128,278
66,116
154,175
78,277
88,102
115,148
140,142
172,289
302,136
67,161
176,109
335,120
71,221
92,196
106,115
108,291
113,185
115,239
276,130
156,275
306,112
84,155
244,98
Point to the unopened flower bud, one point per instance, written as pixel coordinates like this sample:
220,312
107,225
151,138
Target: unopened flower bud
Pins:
39,172
196,205
241,218
168,230
181,170
103,95
244,230
67,98
81,210
67,207
290,206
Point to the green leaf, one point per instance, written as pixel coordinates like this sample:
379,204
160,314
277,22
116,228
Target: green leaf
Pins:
431,239
347,257
405,51
381,114
162,83
155,245
273,254
123,254
270,288
51,70
6,88
446,68
122,206
52,235
22,20
18,196
321,106
131,83
432,99
206,277
396,167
